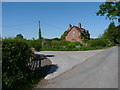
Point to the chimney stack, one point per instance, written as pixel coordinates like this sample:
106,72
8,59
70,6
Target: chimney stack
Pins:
69,26
79,25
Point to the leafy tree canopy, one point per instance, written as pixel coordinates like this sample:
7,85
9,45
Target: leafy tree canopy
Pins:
40,36
112,33
19,36
110,9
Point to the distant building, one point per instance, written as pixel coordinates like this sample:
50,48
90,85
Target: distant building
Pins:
76,33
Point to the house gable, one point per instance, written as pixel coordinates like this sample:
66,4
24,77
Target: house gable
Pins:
74,33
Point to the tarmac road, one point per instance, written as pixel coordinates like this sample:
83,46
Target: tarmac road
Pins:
99,71
66,60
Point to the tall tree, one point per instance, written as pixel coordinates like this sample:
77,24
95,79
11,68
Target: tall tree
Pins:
39,32
118,29
111,10
111,33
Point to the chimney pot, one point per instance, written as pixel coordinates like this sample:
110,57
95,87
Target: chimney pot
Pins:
79,25
70,26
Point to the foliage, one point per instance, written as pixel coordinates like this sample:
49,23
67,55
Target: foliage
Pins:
110,9
40,36
54,45
100,42
56,39
112,33
39,32
63,35
16,55
84,35
85,40
19,36
118,33
60,45
35,44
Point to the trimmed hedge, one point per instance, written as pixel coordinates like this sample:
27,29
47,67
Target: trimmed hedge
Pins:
100,43
54,45
15,56
60,45
35,44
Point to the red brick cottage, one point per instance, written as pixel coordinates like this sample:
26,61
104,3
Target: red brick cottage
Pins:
76,33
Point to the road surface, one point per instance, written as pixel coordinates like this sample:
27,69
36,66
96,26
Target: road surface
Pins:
99,71
66,60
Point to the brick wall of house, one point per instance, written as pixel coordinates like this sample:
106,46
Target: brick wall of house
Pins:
73,36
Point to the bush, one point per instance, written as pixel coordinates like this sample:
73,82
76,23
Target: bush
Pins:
100,43
16,55
35,44
46,44
60,45
55,45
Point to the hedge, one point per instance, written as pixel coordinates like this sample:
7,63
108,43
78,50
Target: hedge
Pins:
54,45
35,44
100,42
15,56
60,45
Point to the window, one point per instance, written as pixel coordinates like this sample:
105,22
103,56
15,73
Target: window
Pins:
73,33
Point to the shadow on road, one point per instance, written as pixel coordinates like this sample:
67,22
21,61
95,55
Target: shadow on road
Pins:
49,55
42,55
53,68
45,70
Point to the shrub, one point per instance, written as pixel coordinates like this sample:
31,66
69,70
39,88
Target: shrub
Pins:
60,45
100,42
16,55
35,44
46,44
74,45
55,45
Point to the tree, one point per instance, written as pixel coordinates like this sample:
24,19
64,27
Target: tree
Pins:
19,36
57,39
63,35
111,33
118,29
40,33
111,10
